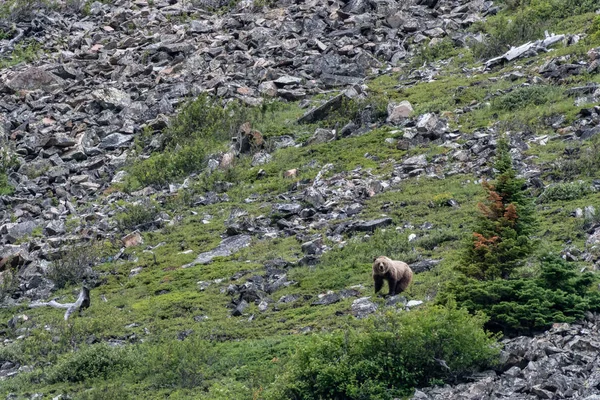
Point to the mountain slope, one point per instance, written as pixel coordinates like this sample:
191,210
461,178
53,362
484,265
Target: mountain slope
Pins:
104,136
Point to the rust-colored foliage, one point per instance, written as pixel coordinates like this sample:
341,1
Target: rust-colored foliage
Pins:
480,242
510,215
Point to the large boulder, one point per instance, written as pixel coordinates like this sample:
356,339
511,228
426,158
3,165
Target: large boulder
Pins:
35,79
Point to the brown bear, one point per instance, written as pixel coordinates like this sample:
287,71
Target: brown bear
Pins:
397,273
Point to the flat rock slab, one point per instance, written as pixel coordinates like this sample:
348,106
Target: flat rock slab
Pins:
35,79
227,247
317,114
371,226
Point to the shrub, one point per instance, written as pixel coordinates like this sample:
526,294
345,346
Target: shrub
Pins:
8,161
390,357
96,361
529,20
583,161
74,265
525,306
500,240
184,364
106,392
565,191
201,127
524,97
134,215
442,49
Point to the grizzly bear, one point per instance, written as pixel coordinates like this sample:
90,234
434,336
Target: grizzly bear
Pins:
397,273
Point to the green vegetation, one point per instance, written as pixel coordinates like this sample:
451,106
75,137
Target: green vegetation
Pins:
386,360
7,162
134,215
565,191
501,237
170,329
529,305
525,20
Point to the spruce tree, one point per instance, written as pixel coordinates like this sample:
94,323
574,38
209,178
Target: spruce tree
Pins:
501,238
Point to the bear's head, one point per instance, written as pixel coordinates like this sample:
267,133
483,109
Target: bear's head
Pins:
380,265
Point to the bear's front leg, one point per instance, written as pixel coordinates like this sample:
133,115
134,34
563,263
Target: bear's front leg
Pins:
392,283
378,283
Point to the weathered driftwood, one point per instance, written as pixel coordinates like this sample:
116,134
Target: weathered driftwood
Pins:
83,302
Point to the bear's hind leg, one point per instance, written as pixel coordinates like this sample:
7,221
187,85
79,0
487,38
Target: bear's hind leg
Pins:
402,285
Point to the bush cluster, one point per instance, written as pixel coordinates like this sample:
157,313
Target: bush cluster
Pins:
526,96
7,162
390,357
528,305
95,361
134,215
565,191
201,127
527,20
75,265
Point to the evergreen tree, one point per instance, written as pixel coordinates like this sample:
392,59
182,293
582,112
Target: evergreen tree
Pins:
500,239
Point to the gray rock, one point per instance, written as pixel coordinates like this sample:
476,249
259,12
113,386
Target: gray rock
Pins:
55,228
116,141
287,209
321,112
399,112
314,197
321,136
415,162
371,226
363,307
413,303
228,246
112,98
427,123
20,230
327,299
240,308
424,265
35,79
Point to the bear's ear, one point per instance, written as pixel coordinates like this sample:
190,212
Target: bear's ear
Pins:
375,258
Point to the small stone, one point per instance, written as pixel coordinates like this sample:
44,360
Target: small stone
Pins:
399,112
239,310
133,239
413,303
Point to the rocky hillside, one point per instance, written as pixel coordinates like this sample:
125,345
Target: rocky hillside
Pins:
221,175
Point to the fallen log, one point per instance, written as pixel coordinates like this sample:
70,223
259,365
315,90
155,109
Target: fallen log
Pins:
82,302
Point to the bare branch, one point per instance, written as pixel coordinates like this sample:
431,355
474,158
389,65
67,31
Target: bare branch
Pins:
82,302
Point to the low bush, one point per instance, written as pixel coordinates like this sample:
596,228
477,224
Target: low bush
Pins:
201,127
8,162
390,357
526,96
565,191
442,49
525,20
96,361
75,265
133,215
525,306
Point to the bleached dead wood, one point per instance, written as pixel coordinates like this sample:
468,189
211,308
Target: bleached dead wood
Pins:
517,52
82,302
